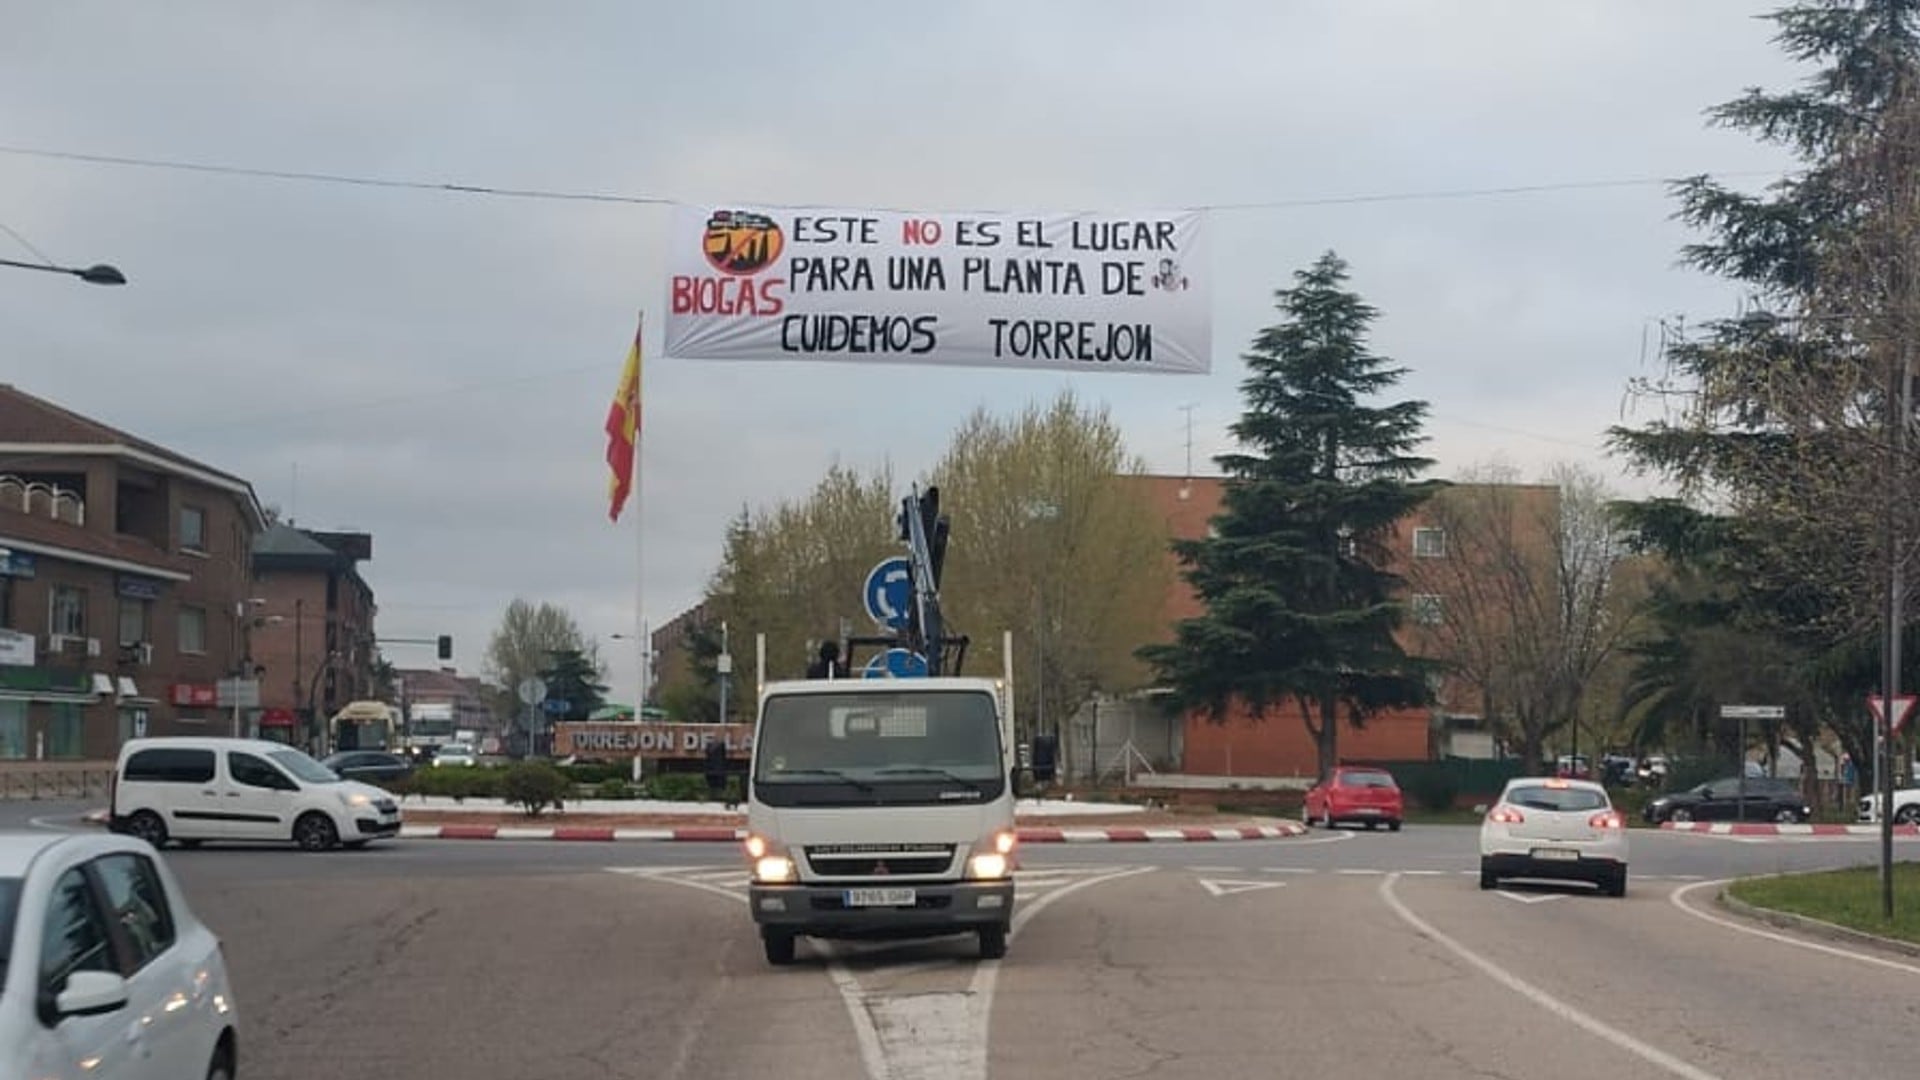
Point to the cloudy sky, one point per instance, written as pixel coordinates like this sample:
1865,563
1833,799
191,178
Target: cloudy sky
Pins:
433,367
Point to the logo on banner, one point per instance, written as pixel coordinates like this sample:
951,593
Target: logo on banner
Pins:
741,242
738,245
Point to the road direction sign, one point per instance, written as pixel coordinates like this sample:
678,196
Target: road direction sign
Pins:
1903,708
1753,712
888,592
532,690
237,693
896,664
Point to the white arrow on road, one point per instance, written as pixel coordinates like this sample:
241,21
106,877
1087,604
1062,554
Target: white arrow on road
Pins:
1221,887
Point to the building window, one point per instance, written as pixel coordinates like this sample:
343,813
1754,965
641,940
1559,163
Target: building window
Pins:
13,730
134,617
67,611
193,630
1429,543
66,731
1426,609
193,528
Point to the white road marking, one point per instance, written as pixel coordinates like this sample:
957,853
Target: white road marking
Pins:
1214,869
1554,1005
1228,887
940,1035
912,1036
1291,870
1333,839
1530,898
1678,896
50,824
1360,873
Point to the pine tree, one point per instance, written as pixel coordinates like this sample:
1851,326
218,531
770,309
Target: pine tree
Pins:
1782,409
1300,606
574,677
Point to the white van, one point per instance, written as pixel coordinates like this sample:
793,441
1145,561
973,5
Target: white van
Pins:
193,789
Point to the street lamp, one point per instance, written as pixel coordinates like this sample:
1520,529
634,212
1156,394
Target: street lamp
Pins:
97,274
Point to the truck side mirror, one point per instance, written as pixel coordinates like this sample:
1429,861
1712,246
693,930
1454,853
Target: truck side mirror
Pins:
1021,779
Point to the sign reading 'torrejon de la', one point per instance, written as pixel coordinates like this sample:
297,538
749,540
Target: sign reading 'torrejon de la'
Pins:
649,740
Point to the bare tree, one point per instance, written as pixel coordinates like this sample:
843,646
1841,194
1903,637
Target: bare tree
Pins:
523,644
1532,597
1050,539
1055,539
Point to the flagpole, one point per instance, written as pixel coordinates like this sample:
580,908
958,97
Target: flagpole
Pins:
639,527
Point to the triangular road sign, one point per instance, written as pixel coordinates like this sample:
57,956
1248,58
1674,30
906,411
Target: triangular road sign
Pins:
1903,708
1220,887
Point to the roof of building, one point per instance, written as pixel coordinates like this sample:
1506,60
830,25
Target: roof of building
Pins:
283,539
29,419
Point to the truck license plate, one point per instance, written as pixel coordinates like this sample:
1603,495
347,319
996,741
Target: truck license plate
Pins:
880,897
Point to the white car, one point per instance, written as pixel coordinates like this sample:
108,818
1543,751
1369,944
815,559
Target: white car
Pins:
1558,828
104,971
456,754
1906,807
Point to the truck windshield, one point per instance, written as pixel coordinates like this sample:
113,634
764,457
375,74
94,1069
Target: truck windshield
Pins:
906,747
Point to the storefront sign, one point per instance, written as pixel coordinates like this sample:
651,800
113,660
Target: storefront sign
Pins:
277,718
16,648
198,694
134,587
650,741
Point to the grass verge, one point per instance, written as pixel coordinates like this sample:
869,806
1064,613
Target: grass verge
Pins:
1849,898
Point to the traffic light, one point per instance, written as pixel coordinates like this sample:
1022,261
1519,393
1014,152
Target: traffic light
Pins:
446,646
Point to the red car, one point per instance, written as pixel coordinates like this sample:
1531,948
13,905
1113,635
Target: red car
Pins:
1354,793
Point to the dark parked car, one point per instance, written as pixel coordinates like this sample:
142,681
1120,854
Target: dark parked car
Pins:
1765,799
369,766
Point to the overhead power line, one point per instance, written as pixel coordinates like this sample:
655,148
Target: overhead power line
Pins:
496,191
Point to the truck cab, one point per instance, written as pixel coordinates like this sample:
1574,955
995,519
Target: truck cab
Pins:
881,808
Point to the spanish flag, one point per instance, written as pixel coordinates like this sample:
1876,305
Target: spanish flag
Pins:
623,431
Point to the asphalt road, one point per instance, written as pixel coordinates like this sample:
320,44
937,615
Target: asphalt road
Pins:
1351,954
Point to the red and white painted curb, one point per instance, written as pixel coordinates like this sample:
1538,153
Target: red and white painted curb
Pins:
1030,834
726,834
1754,828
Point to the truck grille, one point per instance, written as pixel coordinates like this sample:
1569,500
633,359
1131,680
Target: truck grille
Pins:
852,862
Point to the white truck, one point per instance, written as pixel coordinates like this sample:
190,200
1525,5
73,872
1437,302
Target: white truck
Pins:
882,808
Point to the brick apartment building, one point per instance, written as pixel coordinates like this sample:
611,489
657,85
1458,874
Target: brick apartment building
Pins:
1279,745
123,585
312,631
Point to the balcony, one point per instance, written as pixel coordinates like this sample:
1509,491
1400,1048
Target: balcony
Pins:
43,498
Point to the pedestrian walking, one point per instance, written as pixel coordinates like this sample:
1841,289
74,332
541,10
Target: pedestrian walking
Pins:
717,772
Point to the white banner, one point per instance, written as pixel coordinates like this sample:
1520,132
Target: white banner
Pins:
1075,292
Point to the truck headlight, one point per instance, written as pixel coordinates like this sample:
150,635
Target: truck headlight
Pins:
988,865
994,856
773,870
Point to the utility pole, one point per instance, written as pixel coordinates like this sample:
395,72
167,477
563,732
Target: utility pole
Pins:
1899,412
723,667
1188,409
